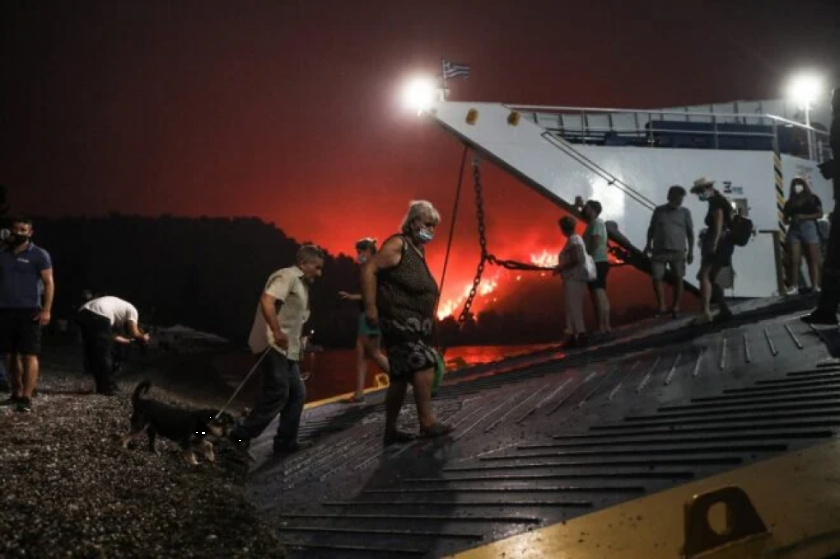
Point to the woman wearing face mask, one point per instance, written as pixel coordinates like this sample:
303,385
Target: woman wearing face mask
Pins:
399,295
716,247
802,210
367,342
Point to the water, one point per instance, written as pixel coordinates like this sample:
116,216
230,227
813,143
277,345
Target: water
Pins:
333,372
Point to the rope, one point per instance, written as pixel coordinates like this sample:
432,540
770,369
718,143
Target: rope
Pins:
452,226
242,384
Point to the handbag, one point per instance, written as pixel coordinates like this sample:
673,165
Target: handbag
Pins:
591,269
440,369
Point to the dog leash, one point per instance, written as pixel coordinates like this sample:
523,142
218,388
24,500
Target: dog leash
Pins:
241,384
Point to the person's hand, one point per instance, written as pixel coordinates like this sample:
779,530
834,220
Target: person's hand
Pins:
145,338
689,257
122,340
281,340
795,218
42,318
344,295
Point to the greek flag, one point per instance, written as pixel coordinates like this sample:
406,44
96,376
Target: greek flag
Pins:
455,70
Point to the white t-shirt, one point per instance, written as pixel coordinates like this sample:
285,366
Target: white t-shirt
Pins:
117,311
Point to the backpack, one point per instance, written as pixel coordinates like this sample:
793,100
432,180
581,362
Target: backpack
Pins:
741,230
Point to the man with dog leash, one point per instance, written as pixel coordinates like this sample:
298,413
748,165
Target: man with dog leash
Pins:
282,311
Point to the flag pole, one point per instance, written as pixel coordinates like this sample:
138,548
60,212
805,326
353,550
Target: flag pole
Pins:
443,77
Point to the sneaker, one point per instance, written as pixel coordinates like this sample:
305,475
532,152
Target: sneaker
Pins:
24,405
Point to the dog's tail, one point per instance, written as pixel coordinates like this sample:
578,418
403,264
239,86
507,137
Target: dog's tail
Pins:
141,389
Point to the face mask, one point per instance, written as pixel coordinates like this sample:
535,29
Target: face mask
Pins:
704,196
362,259
797,190
425,236
16,239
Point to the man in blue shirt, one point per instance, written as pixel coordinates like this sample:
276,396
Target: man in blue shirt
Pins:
26,297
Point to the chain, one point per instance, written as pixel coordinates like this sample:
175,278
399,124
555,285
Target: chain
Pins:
482,241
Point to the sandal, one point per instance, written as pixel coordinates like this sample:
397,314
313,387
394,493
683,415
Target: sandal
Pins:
436,430
397,437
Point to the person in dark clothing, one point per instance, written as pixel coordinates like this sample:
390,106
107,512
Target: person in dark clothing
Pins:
826,311
802,210
717,248
400,295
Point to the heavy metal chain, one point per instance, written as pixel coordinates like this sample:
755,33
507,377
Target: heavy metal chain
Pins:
620,253
482,240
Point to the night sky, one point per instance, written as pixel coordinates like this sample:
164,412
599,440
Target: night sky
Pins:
290,110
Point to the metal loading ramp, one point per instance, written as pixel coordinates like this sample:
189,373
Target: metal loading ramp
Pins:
549,437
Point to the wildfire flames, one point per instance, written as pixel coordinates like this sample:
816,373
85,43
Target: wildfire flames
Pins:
485,288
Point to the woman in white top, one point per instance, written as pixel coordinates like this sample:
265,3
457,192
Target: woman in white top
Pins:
572,266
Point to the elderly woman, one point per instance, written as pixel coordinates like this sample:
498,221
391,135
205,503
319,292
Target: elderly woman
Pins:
572,266
802,210
399,295
367,341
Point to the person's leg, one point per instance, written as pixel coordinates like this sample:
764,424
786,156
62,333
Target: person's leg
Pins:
30,375
422,381
287,430
603,272
706,289
576,295
373,351
271,400
657,273
795,250
394,398
361,369
813,255
678,269
717,292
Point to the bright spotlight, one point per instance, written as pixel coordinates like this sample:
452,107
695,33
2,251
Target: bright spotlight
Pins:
805,89
419,94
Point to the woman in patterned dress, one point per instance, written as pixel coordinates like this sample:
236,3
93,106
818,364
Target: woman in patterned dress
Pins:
399,296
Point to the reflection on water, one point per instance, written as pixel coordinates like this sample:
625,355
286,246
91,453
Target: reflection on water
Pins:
333,372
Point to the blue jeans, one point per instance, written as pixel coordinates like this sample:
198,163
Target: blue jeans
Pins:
284,393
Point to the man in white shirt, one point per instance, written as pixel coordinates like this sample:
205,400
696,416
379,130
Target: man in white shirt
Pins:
282,311
99,319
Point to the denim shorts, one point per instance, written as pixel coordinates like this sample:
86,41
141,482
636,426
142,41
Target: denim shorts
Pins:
803,232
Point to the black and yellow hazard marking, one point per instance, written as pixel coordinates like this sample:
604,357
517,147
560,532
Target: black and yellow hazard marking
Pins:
802,518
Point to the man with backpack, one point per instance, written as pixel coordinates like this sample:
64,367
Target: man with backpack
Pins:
724,230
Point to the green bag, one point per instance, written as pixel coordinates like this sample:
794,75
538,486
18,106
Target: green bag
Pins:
440,369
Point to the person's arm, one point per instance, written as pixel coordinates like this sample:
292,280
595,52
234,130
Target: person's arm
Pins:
576,256
350,296
689,235
44,314
717,228
270,306
136,333
650,232
388,257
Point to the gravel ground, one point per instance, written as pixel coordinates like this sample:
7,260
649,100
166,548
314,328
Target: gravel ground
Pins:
70,490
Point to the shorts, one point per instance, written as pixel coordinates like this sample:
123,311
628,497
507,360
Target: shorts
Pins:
19,332
803,232
408,345
722,257
673,259
600,281
365,329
